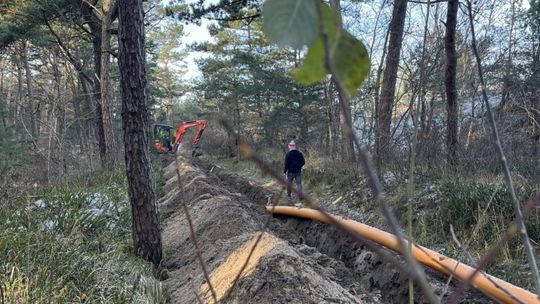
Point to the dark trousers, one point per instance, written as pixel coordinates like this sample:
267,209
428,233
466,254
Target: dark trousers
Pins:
297,177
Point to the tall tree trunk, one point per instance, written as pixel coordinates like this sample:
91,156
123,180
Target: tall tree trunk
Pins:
450,82
330,121
88,126
145,222
29,90
332,118
347,144
384,113
5,107
76,102
377,86
106,102
508,68
95,30
60,111
20,87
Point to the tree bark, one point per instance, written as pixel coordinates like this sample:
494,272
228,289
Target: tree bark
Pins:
384,113
508,66
5,107
60,111
145,222
347,144
95,30
20,87
106,102
29,90
450,82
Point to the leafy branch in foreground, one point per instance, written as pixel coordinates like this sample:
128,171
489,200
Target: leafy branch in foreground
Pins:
340,54
297,24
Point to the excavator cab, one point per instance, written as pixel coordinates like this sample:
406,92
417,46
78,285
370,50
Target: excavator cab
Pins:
165,142
163,139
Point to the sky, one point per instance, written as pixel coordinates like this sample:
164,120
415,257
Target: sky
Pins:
193,34
199,33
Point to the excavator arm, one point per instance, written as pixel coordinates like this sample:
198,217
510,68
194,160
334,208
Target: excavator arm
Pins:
164,144
181,131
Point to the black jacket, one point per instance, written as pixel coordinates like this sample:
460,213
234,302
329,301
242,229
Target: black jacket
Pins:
294,161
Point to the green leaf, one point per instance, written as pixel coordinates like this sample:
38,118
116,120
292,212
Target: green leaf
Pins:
348,57
313,69
292,23
350,62
330,23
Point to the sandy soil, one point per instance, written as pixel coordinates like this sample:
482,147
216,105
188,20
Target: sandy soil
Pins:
296,261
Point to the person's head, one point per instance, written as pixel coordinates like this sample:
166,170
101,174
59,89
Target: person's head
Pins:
291,145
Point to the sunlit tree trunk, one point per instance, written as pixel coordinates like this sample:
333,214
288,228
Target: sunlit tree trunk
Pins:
145,222
384,113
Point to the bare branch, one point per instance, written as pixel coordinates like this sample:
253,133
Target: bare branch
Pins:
473,263
428,2
192,231
197,296
504,162
371,174
246,262
495,248
78,66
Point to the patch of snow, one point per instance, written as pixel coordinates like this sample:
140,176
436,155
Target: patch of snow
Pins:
40,203
95,212
389,177
49,225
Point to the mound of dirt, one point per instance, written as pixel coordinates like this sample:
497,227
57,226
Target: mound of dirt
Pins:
296,261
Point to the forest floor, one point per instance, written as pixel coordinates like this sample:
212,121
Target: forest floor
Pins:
296,261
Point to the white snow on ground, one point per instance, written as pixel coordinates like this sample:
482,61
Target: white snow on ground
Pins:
97,205
49,225
40,203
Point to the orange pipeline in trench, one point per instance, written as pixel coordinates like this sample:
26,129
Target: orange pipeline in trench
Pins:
491,286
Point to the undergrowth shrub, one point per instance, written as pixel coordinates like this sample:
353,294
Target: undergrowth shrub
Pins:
334,174
465,204
72,243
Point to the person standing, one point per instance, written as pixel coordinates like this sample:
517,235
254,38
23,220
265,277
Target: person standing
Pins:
294,161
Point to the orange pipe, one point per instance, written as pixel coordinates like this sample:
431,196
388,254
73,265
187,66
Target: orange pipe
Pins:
423,255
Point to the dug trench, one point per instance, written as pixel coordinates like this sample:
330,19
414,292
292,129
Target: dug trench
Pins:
295,261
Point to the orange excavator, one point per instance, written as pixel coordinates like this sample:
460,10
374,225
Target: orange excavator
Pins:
163,138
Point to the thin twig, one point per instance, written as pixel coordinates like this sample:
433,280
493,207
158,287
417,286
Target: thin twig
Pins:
472,262
476,228
504,162
259,237
192,231
248,152
416,120
370,172
513,228
197,296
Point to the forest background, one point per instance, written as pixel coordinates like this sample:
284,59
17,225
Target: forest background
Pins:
420,104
